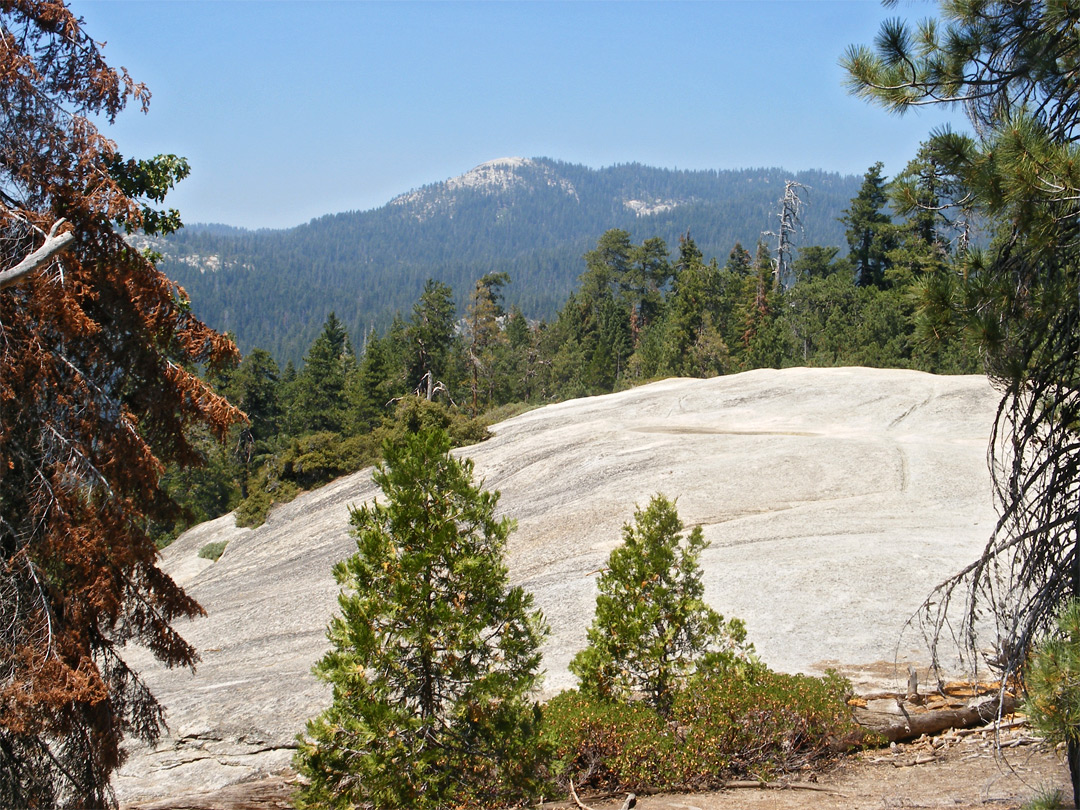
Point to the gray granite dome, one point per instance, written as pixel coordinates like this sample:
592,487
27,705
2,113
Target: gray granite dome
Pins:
834,500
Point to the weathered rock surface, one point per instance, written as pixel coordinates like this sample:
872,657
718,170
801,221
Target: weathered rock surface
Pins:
834,499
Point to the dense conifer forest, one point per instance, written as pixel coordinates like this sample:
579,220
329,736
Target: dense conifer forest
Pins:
531,219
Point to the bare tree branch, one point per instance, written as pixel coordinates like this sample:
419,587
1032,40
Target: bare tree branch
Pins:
54,243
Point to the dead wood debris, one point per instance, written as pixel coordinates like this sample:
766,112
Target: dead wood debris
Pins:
898,717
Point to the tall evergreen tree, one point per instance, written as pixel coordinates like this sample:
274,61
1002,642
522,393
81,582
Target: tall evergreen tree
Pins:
524,361
689,254
1012,67
923,261
760,345
254,389
690,342
321,403
739,261
645,282
815,261
610,344
869,229
370,389
484,335
607,265
620,296
429,339
434,657
97,394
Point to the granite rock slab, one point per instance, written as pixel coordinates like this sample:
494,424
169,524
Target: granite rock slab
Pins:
834,501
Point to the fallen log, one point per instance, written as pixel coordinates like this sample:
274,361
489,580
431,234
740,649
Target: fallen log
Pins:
898,720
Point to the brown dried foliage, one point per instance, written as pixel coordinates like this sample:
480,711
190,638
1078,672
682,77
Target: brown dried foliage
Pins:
97,393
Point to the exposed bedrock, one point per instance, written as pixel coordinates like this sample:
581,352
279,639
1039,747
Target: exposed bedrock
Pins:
834,499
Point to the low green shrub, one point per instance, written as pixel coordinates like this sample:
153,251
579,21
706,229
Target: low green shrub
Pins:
758,723
319,458
1047,798
266,489
310,461
212,551
414,414
744,722
608,745
507,411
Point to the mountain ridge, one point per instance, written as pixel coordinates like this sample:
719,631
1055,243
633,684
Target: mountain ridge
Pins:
533,218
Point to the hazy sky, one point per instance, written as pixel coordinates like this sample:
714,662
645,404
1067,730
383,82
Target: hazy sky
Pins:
290,110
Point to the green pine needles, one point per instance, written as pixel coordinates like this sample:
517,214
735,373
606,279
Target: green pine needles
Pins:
652,625
434,657
1053,689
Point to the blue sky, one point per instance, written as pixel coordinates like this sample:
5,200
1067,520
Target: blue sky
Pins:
290,110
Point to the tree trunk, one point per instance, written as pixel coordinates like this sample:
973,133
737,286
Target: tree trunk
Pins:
1073,752
896,721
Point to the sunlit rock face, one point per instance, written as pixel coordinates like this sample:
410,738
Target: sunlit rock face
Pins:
834,500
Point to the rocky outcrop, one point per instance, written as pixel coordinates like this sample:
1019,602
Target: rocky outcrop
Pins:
834,499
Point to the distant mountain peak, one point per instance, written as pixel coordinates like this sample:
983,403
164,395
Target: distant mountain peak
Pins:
492,178
495,176
498,174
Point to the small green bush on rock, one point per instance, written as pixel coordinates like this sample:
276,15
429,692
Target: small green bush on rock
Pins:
212,551
652,626
267,491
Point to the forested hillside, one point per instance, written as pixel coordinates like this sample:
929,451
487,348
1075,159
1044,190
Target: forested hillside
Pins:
640,310
533,219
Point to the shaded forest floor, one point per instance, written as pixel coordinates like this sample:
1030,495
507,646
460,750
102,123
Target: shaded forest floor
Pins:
947,771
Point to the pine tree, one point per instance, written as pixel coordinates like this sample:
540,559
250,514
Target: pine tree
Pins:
644,284
921,263
370,388
429,340
869,229
761,344
739,261
253,387
652,625
1053,688
484,335
321,401
1011,67
689,337
523,359
815,261
607,265
434,657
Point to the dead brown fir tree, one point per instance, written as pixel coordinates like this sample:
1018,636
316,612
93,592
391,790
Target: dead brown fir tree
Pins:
97,393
